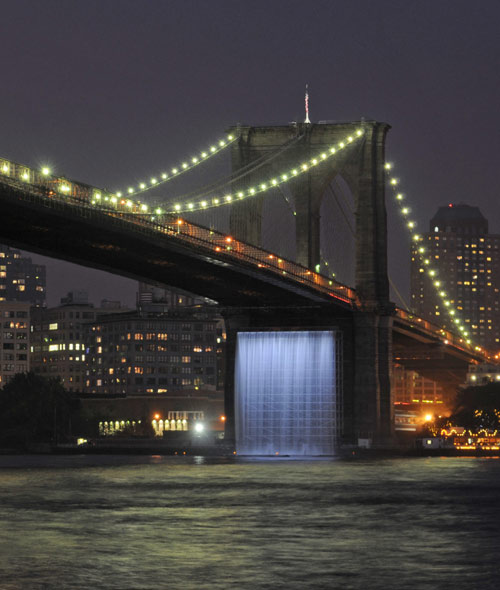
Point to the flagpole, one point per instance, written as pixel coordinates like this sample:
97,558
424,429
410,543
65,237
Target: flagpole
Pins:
306,120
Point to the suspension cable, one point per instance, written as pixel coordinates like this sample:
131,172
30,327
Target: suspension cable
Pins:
425,261
300,169
228,180
164,177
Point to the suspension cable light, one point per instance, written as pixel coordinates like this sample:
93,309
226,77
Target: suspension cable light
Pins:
265,186
425,261
182,168
213,202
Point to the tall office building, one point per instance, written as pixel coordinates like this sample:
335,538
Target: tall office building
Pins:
467,261
20,279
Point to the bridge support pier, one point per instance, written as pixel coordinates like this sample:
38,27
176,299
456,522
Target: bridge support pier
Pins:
234,322
371,390
364,354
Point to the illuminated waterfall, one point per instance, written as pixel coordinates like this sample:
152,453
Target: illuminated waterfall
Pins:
285,393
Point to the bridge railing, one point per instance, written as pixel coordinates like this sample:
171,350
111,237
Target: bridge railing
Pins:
444,335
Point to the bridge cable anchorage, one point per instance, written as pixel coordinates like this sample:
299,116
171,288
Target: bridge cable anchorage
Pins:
426,262
287,176
182,168
206,190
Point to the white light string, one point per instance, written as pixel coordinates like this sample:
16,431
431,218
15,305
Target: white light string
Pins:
275,182
102,198
181,168
425,261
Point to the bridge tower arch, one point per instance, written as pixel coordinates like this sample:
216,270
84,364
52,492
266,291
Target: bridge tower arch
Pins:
361,165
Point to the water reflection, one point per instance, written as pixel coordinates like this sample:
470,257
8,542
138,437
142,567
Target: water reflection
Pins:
193,522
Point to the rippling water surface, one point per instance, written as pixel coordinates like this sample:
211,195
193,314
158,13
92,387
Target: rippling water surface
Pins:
144,523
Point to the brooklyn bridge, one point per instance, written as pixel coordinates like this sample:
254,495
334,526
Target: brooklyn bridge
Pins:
212,242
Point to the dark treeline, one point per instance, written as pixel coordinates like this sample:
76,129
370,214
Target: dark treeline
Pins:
35,409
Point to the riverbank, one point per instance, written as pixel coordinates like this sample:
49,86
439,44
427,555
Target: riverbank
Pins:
153,447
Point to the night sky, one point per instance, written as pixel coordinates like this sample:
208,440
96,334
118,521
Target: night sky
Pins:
109,91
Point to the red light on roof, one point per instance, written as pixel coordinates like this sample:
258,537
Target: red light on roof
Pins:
450,205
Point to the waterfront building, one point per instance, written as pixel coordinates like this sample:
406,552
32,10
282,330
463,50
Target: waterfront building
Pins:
14,339
58,343
20,279
410,388
416,400
162,299
467,261
153,350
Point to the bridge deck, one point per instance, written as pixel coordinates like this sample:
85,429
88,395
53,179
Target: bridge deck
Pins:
189,245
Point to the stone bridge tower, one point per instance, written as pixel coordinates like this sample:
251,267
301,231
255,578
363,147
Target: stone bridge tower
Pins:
361,165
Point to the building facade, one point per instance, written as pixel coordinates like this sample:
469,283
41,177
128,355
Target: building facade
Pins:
20,279
467,261
169,298
482,374
58,342
153,351
14,340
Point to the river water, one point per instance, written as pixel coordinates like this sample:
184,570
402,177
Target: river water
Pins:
151,522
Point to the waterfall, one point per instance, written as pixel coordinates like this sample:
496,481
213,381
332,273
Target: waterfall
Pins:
285,393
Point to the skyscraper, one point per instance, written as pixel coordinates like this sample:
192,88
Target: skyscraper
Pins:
467,261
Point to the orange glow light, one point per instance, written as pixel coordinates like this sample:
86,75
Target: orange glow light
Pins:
223,418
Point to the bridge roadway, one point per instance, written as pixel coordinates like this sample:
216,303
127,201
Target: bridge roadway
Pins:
239,276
